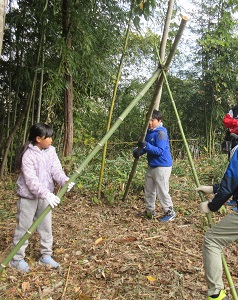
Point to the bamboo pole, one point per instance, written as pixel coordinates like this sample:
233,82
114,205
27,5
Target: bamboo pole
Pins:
209,218
152,104
33,87
114,99
163,47
62,191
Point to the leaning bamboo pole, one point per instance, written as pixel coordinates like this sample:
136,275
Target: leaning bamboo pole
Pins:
62,191
209,218
152,104
114,98
163,48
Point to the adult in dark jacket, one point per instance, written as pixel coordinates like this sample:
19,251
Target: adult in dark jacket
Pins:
157,148
230,121
224,232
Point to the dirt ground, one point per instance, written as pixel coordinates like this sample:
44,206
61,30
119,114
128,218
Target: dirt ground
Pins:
107,252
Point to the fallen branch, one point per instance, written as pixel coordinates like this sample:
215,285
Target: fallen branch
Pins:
67,280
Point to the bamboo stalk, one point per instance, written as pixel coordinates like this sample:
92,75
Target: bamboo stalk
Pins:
114,98
62,191
163,47
152,104
209,218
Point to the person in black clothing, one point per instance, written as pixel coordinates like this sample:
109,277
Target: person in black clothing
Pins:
230,121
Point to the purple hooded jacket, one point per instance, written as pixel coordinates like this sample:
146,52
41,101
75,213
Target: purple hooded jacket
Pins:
39,170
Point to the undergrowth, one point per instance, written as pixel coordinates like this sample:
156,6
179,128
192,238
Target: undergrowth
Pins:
117,170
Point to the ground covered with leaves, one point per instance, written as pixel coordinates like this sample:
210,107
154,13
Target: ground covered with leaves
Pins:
108,252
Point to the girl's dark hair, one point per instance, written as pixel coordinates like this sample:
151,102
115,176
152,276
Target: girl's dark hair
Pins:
38,129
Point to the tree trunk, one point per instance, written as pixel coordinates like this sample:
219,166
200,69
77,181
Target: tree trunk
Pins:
68,93
10,138
68,118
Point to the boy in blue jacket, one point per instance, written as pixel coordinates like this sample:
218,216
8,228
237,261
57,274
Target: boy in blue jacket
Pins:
224,232
156,146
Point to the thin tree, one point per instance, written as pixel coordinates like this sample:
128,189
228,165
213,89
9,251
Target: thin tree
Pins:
114,98
68,92
3,6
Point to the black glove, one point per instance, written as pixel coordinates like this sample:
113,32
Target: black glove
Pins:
136,154
141,144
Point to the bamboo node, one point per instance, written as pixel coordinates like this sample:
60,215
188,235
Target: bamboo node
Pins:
121,118
100,144
29,232
3,265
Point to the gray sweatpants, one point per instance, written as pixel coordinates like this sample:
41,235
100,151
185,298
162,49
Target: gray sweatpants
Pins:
157,185
217,237
27,212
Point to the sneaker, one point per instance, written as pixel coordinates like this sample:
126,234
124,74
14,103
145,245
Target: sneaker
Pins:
222,296
169,215
232,202
235,208
48,260
147,214
20,265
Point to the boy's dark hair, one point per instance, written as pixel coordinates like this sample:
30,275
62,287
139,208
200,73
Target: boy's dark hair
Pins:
38,129
156,115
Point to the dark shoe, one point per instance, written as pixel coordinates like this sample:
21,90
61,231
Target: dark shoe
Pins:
169,215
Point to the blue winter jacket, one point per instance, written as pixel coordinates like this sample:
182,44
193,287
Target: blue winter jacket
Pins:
228,185
157,148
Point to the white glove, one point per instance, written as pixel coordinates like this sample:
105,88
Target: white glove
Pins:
204,207
207,189
52,199
71,184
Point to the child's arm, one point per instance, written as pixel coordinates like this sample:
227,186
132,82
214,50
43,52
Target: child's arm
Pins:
56,170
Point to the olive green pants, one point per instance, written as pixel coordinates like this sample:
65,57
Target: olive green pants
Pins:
217,237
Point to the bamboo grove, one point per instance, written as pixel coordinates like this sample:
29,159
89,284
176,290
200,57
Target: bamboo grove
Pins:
60,61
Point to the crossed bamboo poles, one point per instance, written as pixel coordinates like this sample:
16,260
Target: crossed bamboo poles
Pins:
209,218
160,71
62,191
100,145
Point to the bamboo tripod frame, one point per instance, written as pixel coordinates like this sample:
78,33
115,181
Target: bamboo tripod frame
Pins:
152,104
209,218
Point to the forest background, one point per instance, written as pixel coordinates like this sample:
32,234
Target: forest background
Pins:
60,61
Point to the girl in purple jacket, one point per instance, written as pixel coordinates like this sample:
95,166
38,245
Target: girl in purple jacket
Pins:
40,167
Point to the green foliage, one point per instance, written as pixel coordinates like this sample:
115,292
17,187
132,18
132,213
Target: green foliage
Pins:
202,94
118,167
